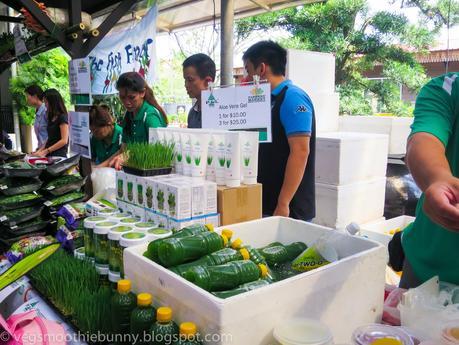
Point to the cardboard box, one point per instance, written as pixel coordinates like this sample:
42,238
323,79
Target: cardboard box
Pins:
239,204
178,199
120,185
130,188
350,289
211,197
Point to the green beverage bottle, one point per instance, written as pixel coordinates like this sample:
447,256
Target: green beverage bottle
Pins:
188,334
153,247
123,302
271,245
219,257
142,317
280,254
227,276
101,243
242,288
228,234
164,331
175,251
89,224
256,257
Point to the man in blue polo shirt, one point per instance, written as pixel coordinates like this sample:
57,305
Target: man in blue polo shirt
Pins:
286,166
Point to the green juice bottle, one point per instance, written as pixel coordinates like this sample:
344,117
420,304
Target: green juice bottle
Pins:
153,247
227,276
242,288
142,317
219,257
123,302
176,251
164,330
280,254
188,334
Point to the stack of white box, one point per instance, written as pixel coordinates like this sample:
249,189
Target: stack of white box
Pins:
350,167
171,201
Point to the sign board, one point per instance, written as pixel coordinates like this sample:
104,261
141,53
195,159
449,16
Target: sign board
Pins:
19,46
132,50
245,107
79,133
80,81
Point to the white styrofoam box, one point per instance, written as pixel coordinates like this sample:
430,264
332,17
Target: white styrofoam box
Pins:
326,109
401,129
311,71
350,289
360,202
398,129
347,157
383,231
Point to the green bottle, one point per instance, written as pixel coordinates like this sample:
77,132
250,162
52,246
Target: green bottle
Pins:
123,302
255,255
284,271
188,334
242,288
227,276
219,257
280,254
142,317
176,251
271,245
164,330
188,231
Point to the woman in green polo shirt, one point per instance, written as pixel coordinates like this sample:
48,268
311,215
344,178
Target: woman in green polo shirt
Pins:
106,135
142,111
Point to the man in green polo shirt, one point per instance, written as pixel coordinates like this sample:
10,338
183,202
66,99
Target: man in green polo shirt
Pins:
106,135
431,243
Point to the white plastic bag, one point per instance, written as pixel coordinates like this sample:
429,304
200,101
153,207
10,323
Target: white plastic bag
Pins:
102,179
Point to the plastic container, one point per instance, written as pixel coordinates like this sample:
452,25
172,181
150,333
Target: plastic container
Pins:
115,252
142,317
233,160
129,221
369,334
303,332
89,224
128,240
158,233
227,276
450,333
19,201
123,302
144,226
21,215
117,217
175,251
382,231
101,243
19,185
164,330
59,168
147,172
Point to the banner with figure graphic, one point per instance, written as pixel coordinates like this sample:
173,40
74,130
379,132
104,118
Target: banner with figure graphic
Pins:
133,49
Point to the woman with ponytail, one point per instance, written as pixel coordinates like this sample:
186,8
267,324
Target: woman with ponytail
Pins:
142,111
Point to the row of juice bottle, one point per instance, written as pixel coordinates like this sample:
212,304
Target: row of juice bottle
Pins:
219,265
136,317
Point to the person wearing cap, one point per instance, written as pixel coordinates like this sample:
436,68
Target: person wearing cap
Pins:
106,135
142,112
286,165
431,243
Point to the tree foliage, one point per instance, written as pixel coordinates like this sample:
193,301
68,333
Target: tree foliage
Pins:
47,70
360,40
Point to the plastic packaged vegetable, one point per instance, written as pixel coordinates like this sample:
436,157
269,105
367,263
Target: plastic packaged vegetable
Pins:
65,184
25,228
18,201
22,169
59,168
19,185
20,215
72,212
65,199
27,245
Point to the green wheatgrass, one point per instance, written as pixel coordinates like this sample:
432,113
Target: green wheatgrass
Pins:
149,156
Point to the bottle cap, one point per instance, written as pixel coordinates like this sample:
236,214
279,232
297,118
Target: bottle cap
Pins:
263,270
228,233
387,341
245,254
237,244
225,240
164,314
210,227
188,328
144,299
124,286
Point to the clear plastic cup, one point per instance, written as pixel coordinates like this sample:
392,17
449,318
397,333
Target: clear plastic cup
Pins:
303,332
366,335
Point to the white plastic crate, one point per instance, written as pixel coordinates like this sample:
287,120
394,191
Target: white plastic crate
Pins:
314,72
326,108
382,231
351,289
343,158
360,202
398,129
